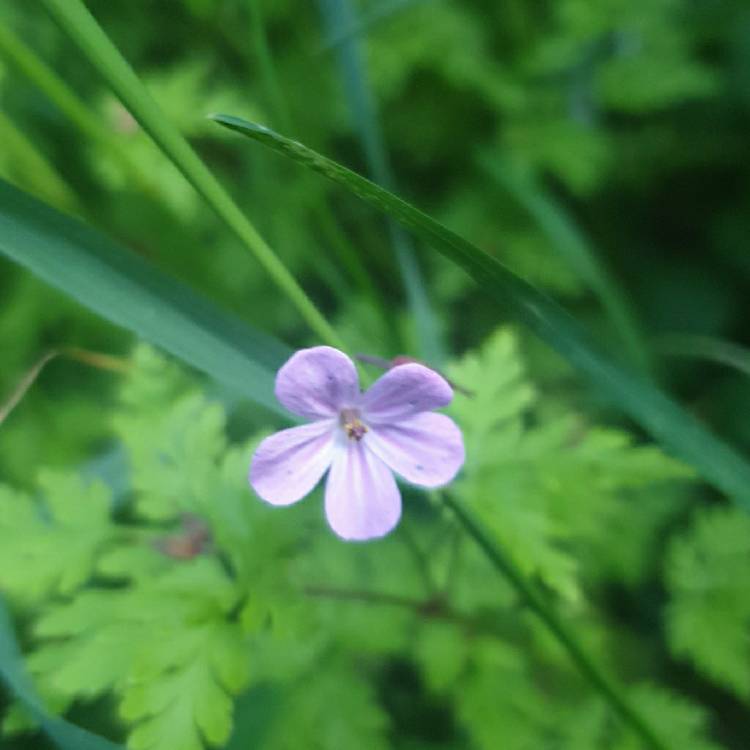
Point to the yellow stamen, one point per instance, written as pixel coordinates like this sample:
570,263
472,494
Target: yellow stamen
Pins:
352,424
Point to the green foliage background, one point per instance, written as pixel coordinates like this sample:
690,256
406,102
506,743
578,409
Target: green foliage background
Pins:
525,127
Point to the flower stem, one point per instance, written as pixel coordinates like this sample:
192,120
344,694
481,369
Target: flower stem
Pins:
436,608
369,597
542,609
30,169
26,382
92,359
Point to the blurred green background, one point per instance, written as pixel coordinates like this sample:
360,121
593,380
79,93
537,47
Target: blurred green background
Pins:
541,131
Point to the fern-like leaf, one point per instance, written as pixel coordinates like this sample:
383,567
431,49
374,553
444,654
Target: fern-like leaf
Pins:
52,547
708,618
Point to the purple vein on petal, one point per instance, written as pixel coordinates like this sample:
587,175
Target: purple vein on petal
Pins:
426,449
288,464
362,500
404,391
315,383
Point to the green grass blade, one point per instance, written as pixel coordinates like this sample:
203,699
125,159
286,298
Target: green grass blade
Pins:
74,18
679,432
705,347
125,290
573,247
54,87
34,172
65,735
88,123
272,91
367,21
337,15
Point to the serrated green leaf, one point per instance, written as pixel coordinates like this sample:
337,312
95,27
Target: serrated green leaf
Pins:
173,455
93,663
538,484
181,700
131,561
679,722
152,381
500,396
442,652
333,708
708,617
498,481
64,735
164,647
53,548
495,698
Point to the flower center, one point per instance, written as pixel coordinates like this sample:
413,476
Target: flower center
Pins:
352,424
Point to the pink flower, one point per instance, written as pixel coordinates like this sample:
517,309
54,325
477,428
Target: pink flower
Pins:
361,437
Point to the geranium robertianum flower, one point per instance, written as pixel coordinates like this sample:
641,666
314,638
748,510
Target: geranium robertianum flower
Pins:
361,437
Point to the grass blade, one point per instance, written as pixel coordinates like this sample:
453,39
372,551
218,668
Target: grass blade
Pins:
74,18
705,347
678,431
34,172
367,21
65,735
339,15
54,87
573,247
125,290
88,123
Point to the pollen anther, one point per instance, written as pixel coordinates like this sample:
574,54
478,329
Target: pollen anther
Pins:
353,426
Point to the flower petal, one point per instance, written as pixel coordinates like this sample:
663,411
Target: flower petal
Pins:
362,499
317,382
403,391
287,465
426,449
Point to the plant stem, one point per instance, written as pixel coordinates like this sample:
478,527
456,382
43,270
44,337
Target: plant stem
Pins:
544,611
360,27
75,19
67,101
92,359
27,62
433,608
35,172
25,383
370,597
453,562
